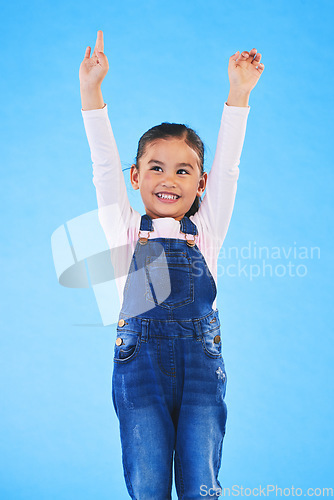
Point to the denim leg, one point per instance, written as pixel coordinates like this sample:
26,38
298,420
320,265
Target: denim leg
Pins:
147,431
201,426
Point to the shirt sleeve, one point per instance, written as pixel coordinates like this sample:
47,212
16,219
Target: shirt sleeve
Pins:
108,177
113,203
217,206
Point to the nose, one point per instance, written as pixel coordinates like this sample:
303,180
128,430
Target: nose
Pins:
169,180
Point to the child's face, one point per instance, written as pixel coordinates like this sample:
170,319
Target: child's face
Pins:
161,171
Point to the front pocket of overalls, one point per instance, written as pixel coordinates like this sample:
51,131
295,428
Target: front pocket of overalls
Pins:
169,283
128,348
212,344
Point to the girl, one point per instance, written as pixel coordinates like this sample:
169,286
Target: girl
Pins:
169,378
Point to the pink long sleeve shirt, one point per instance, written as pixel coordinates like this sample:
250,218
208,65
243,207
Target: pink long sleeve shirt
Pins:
121,227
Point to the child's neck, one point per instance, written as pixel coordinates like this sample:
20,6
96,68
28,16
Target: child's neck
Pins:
166,217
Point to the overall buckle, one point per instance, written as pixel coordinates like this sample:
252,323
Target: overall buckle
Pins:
191,242
143,239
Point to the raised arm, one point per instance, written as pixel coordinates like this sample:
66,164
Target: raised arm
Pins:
91,74
244,71
107,169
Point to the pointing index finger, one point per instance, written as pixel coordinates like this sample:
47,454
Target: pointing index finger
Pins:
99,46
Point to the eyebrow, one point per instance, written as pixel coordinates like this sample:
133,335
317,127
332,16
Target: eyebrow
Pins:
179,164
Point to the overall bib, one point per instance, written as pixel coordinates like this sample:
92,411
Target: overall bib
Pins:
169,378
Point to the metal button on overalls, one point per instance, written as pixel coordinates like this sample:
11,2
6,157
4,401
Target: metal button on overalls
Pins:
169,382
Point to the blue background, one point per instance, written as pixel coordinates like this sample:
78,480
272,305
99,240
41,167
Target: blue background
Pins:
168,62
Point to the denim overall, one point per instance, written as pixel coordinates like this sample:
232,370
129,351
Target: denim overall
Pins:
169,378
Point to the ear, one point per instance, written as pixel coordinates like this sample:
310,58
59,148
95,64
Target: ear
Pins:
134,176
202,184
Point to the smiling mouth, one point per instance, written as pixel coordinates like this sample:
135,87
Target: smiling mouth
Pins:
167,197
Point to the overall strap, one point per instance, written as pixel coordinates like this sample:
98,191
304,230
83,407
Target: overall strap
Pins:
189,229
187,226
146,227
146,223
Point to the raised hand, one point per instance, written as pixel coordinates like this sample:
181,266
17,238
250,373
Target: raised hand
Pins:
94,69
244,70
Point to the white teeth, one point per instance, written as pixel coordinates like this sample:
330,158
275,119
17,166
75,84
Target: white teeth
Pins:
167,196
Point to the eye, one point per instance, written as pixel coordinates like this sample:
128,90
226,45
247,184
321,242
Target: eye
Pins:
180,169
